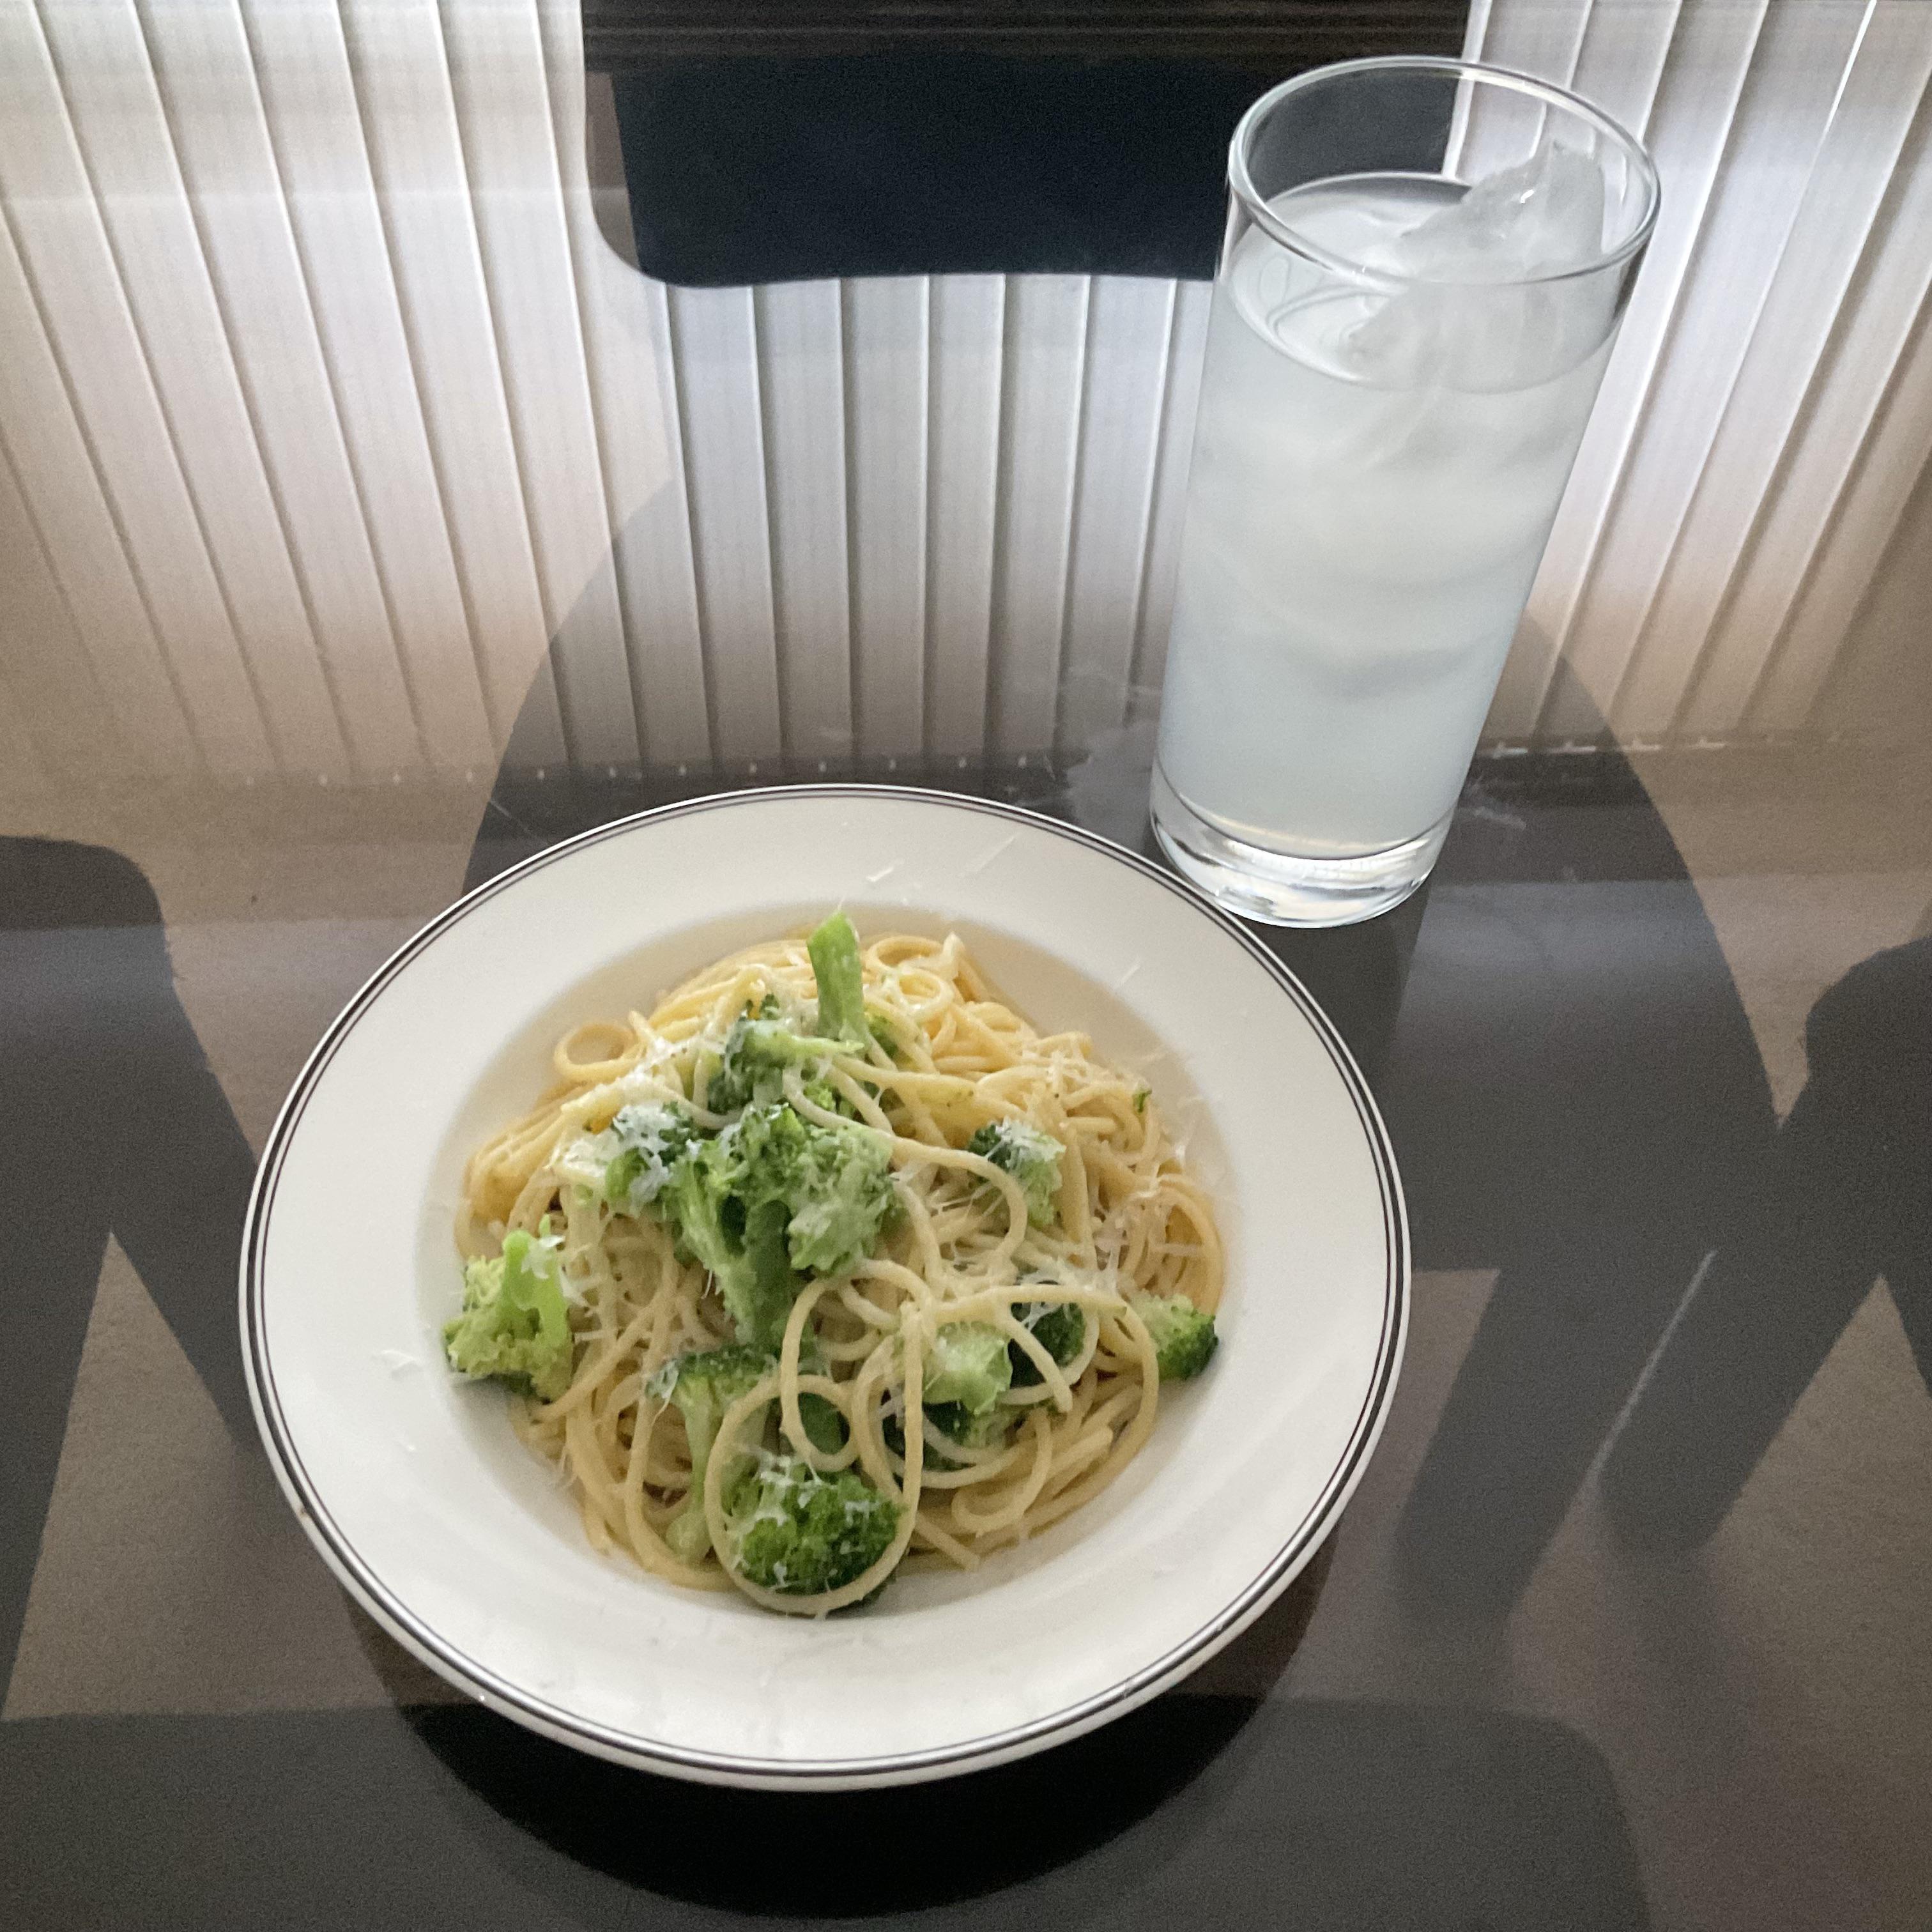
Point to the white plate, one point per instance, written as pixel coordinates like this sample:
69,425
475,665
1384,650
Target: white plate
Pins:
461,1544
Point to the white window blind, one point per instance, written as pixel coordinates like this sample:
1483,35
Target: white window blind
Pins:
332,428
1769,409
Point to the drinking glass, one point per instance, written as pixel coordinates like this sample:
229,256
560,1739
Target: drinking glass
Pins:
1425,264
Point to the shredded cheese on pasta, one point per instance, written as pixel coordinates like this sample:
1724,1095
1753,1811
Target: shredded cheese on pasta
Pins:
1129,1217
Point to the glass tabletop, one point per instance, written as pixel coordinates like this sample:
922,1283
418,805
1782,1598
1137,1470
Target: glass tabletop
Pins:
431,431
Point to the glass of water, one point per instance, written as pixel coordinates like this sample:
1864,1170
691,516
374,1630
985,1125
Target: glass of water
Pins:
1425,264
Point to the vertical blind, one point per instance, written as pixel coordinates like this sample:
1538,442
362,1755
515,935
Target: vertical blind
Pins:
1769,408
336,442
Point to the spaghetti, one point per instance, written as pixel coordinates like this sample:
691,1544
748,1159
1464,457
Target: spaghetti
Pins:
1073,1280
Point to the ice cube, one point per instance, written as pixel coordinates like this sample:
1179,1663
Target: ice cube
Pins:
1471,321
1547,213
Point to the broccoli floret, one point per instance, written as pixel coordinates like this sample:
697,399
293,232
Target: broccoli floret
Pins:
704,1385
647,1142
774,1194
1183,1335
958,1424
801,1533
883,1030
836,1181
824,1425
741,1241
757,1051
514,1327
834,948
967,1363
1061,1329
1030,1157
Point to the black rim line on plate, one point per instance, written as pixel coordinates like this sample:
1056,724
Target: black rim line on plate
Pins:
512,1700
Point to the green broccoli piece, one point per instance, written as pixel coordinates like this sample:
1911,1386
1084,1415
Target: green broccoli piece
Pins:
1142,1096
968,1363
751,1071
796,1531
704,1385
883,1030
649,1142
1059,1327
834,948
1030,1157
740,1242
513,1327
824,1425
1184,1336
773,1195
836,1182
958,1423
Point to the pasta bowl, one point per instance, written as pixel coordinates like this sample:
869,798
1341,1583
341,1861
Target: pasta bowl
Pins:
466,1549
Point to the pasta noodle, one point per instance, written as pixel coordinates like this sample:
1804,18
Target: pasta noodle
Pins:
1128,1222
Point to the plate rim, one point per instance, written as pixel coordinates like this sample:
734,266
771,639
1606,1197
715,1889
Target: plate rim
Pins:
624,1747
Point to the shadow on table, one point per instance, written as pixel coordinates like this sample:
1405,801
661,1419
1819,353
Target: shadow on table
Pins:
1202,1809
1195,1810
110,1123
830,1855
1848,1200
1013,1824
1579,1103
1214,1804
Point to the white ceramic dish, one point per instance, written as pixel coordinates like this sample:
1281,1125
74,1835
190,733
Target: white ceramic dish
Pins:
458,1541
